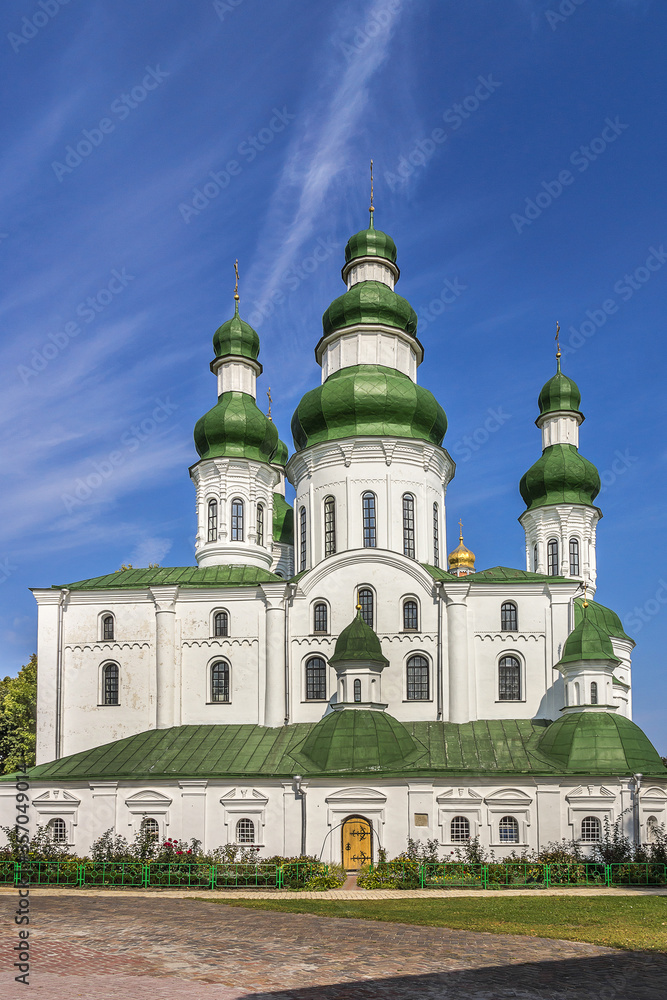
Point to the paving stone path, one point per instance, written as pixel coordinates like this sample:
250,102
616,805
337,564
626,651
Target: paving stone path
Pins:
154,947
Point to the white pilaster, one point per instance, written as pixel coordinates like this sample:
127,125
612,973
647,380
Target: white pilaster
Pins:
165,654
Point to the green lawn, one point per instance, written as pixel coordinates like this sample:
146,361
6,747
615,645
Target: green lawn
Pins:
632,922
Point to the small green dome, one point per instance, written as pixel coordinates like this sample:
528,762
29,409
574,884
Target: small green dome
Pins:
603,617
560,475
370,302
236,337
283,520
368,400
600,742
559,393
358,740
587,641
236,427
358,642
281,454
370,243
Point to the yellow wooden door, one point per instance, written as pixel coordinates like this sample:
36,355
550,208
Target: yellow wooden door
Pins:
357,841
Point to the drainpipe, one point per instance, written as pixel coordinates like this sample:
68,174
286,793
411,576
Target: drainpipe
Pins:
636,822
291,590
301,794
64,594
438,594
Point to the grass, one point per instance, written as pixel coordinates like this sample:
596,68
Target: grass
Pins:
636,923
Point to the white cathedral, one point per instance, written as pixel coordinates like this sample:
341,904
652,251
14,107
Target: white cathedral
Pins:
325,680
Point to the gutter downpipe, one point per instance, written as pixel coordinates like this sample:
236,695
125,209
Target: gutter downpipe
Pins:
438,592
64,594
301,794
289,595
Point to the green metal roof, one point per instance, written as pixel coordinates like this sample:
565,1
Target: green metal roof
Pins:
236,337
281,454
358,641
358,738
496,574
490,747
283,520
236,428
368,400
605,618
183,576
370,242
559,393
595,742
370,302
587,641
560,475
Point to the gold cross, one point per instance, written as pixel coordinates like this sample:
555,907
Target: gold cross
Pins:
557,339
236,286
269,395
460,530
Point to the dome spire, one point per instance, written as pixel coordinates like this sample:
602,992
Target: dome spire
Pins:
461,560
371,209
557,346
236,286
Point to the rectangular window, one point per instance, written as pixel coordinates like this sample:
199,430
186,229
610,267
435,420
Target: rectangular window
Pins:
329,526
316,679
237,520
260,523
366,602
409,525
574,557
552,557
303,551
320,616
436,536
418,686
369,520
212,521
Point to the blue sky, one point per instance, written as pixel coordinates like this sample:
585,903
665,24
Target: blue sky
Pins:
519,165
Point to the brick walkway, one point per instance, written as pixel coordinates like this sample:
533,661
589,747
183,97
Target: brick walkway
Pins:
150,945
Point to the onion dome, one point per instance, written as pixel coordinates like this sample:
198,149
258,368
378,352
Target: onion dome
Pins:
368,400
237,338
560,475
603,617
370,302
461,558
236,427
370,242
602,743
283,520
281,454
559,393
358,741
587,641
358,642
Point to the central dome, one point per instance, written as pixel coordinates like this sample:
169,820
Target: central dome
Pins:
356,740
371,401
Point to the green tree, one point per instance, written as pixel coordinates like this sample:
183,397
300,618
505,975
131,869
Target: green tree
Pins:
18,718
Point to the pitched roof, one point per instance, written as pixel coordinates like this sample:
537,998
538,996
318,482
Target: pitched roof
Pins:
183,576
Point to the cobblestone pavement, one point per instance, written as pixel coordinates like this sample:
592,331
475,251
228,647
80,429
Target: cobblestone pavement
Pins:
161,947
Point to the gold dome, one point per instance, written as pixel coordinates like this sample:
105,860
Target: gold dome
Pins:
461,558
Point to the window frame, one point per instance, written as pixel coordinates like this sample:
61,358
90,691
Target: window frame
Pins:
510,656
594,693
303,538
369,519
105,617
362,591
214,623
406,601
154,833
464,823
244,840
593,828
50,826
552,557
105,687
574,552
325,630
237,520
357,690
315,684
409,525
535,558
329,521
436,534
220,662
212,520
506,823
411,684
259,534
509,611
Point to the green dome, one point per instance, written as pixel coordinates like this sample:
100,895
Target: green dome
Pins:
560,475
370,302
358,740
600,742
605,618
559,393
283,520
281,454
236,427
236,337
587,641
368,400
370,243
358,642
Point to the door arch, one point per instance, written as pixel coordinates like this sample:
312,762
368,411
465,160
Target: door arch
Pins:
356,842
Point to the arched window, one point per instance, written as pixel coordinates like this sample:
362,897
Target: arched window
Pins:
534,558
330,526
368,504
357,690
436,535
220,681
408,525
221,623
652,829
577,695
303,548
410,616
459,830
594,693
508,617
509,679
552,557
508,830
260,523
574,557
418,679
57,830
366,601
212,521
108,628
150,828
316,679
237,520
245,831
110,684
591,830
320,617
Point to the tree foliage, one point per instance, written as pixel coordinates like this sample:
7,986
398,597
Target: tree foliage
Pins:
18,718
